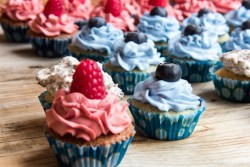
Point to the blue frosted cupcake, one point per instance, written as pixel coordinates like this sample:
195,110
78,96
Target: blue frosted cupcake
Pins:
135,58
240,38
232,80
210,21
163,105
95,40
196,52
159,28
236,17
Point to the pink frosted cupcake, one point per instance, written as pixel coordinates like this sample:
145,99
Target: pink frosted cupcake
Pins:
16,16
224,6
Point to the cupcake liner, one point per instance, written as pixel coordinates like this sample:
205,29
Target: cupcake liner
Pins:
97,57
229,89
51,47
46,105
126,80
162,49
194,71
68,154
15,33
163,127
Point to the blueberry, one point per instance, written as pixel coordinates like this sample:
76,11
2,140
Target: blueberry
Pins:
158,11
169,72
97,22
203,11
192,30
245,25
137,37
246,4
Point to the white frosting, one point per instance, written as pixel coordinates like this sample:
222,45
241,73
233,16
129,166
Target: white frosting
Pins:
237,61
60,76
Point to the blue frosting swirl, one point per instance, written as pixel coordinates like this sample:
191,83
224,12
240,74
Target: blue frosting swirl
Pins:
176,96
236,17
101,39
213,22
240,39
201,47
159,29
131,55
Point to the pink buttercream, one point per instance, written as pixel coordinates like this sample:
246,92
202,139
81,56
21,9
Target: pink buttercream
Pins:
52,26
23,10
73,113
224,6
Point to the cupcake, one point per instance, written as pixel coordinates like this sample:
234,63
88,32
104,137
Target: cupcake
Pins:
88,125
159,28
232,80
60,76
2,8
51,31
240,38
236,17
163,105
95,40
210,21
225,6
196,51
16,16
135,58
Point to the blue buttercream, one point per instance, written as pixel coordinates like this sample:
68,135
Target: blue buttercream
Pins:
101,39
240,39
201,47
131,55
236,17
159,29
213,22
176,96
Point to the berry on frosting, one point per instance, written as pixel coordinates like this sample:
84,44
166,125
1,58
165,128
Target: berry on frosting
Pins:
136,37
203,11
246,4
114,7
162,3
245,25
88,80
169,72
97,22
192,30
54,7
159,11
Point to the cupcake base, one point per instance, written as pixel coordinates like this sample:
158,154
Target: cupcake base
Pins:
161,47
46,104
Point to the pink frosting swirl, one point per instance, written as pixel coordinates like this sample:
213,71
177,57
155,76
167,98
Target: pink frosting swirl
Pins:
23,10
224,6
87,119
53,25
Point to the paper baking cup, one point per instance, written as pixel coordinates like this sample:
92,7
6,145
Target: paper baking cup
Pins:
46,105
97,57
126,80
68,154
15,33
163,127
229,89
162,49
194,71
51,47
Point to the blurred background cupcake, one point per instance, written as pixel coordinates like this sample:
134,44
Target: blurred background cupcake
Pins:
196,52
51,31
163,105
225,6
16,16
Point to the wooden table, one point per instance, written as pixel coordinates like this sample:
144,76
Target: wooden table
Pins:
221,138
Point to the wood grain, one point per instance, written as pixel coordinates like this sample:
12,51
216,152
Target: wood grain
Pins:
221,138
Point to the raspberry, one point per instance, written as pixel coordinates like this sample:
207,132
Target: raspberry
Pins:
161,3
114,7
54,7
88,80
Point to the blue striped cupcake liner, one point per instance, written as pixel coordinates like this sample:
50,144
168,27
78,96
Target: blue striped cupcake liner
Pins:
229,89
194,71
162,49
68,154
16,34
127,80
163,127
50,47
97,57
45,104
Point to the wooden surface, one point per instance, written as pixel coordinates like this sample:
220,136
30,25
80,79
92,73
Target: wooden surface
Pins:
221,138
